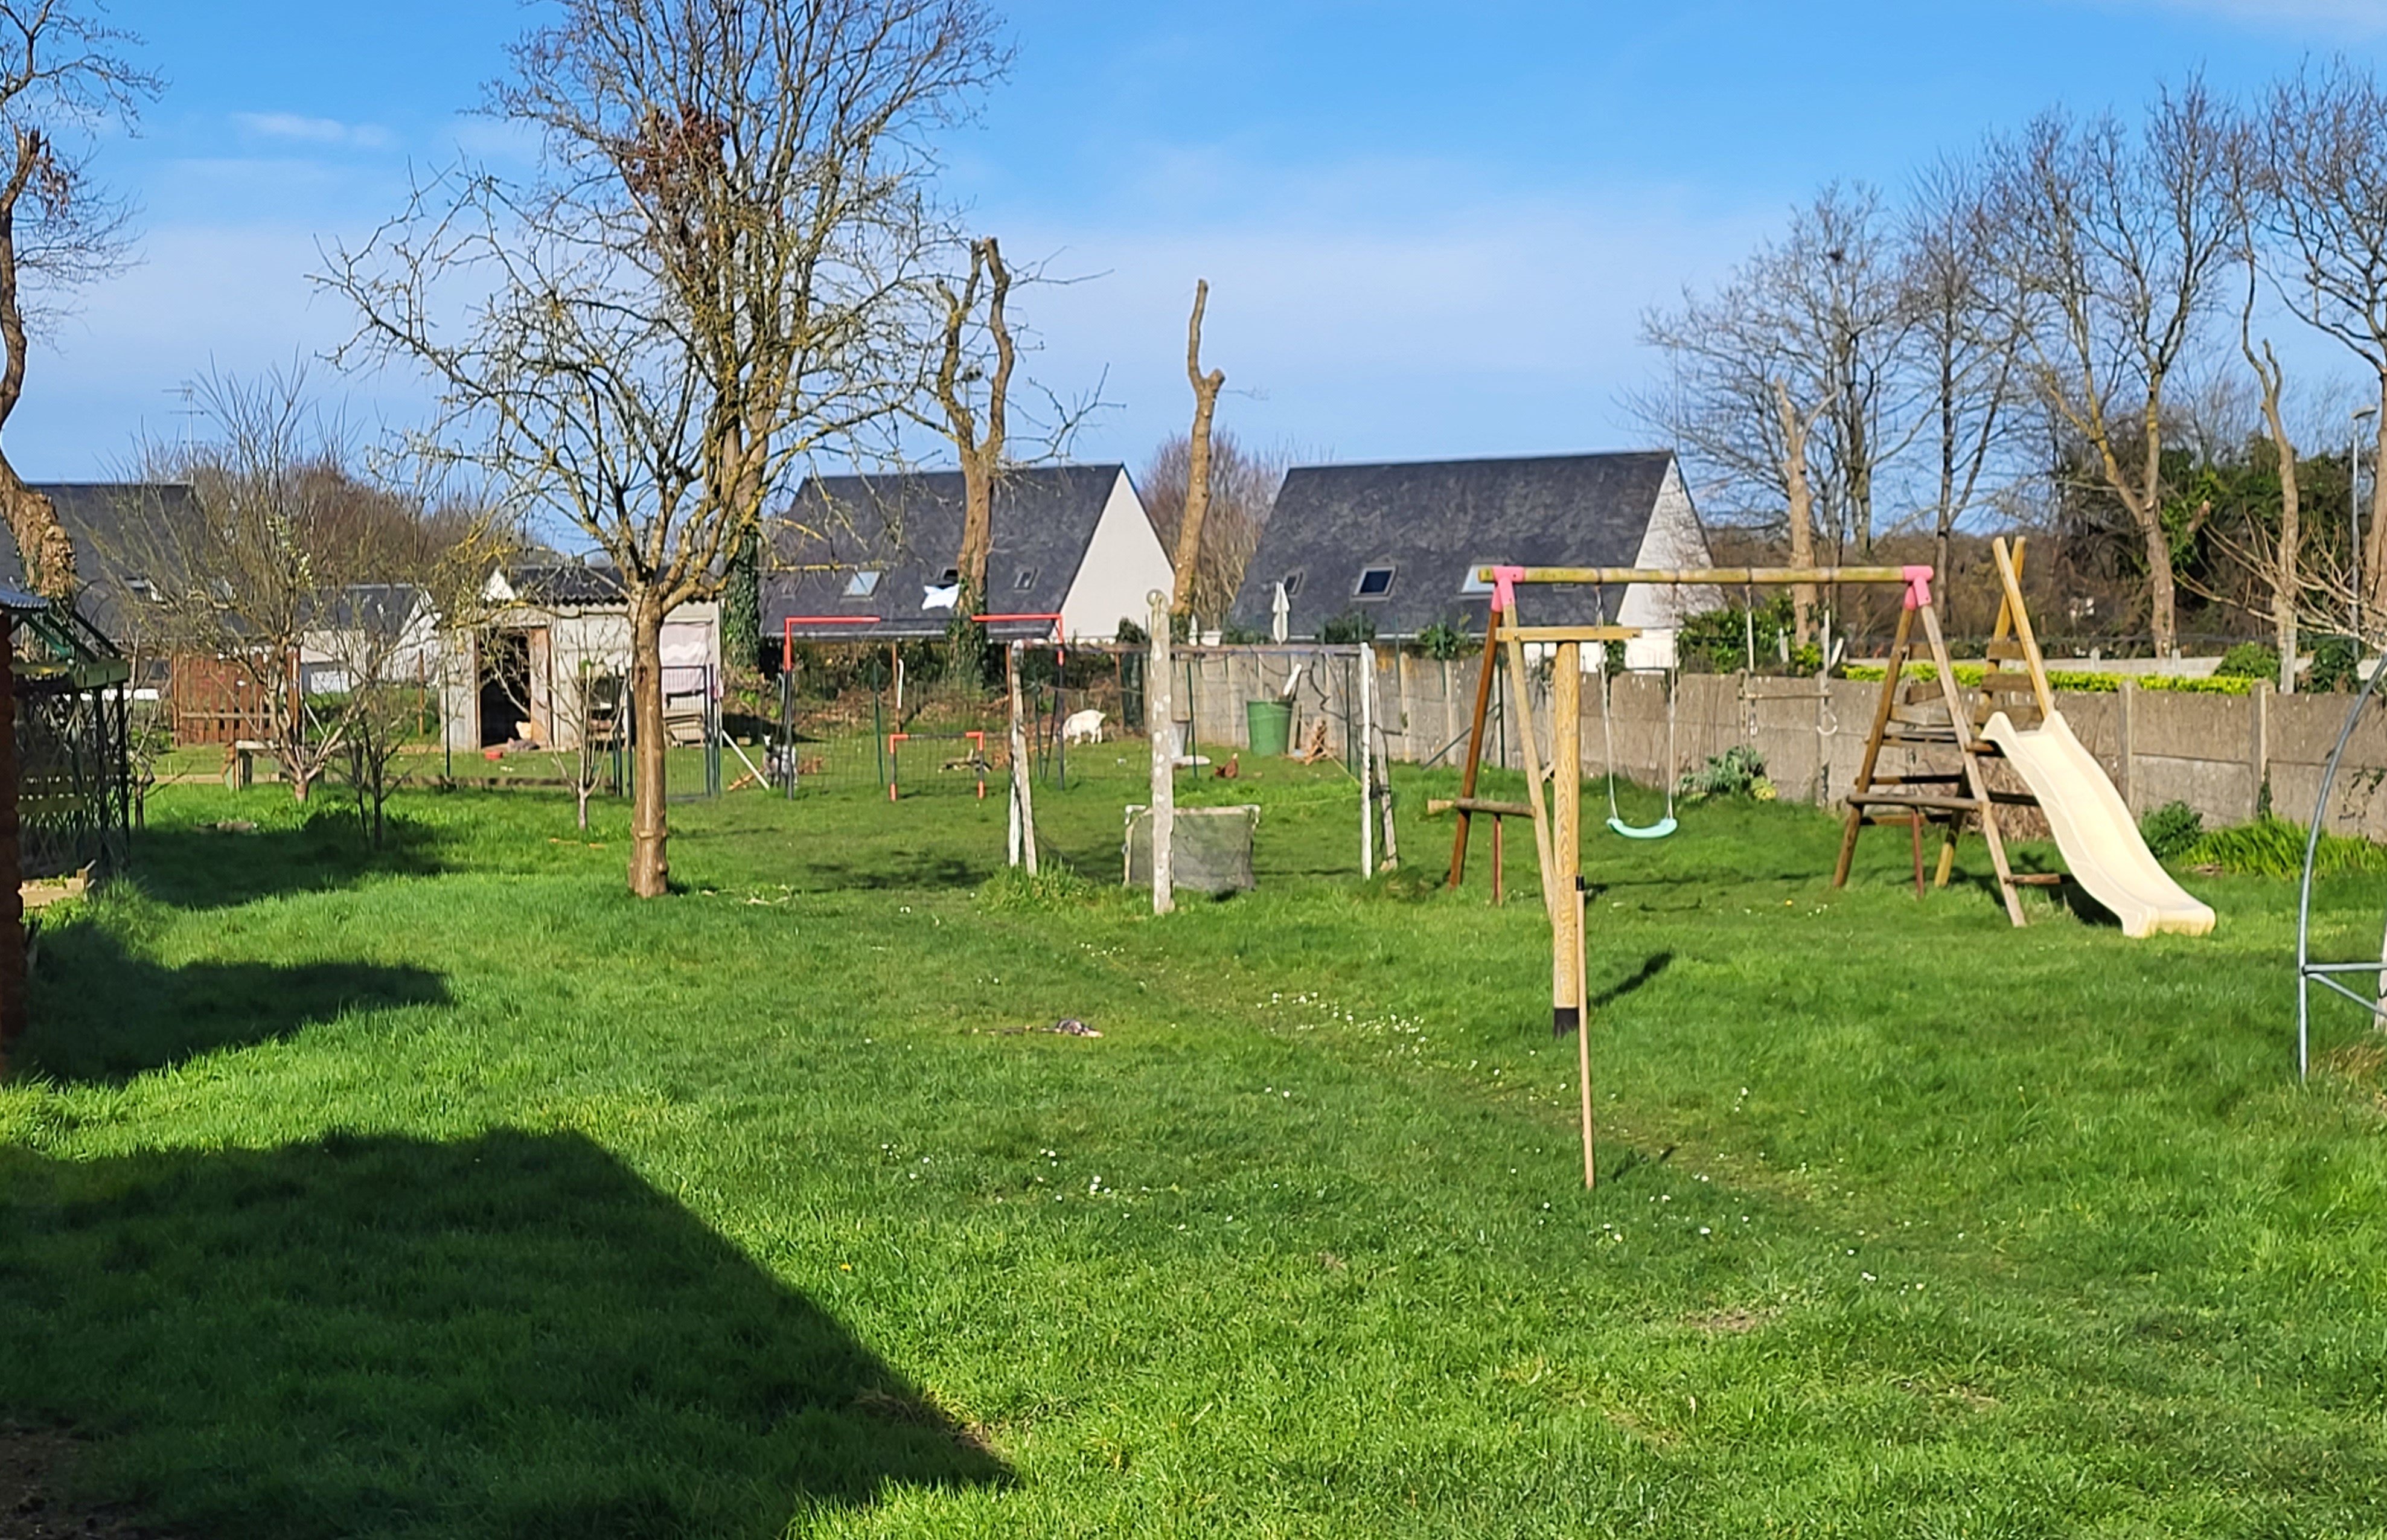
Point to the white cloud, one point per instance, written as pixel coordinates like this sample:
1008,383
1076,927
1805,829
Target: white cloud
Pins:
314,131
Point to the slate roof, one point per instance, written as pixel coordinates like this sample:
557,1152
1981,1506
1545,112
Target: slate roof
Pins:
1432,522
563,585
383,610
908,529
98,515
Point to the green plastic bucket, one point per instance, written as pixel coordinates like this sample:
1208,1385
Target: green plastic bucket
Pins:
1270,725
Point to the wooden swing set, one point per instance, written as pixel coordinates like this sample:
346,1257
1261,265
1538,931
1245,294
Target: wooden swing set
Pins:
1912,798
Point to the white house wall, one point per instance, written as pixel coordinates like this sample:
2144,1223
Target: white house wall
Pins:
1674,539
1124,562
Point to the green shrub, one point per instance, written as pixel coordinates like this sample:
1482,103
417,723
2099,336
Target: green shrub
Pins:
2336,665
2248,660
2275,847
1349,628
1445,641
2171,830
1719,639
1240,636
2075,681
1739,771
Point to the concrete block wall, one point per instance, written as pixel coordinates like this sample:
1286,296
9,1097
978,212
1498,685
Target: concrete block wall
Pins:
2215,753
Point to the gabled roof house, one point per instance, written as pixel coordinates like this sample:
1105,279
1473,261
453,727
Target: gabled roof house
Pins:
1399,544
870,557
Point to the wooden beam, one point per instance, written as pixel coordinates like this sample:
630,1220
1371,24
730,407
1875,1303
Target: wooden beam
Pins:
1563,634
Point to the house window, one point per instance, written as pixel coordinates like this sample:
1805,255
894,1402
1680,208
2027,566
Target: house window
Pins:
1292,584
1374,582
862,585
953,575
1475,582
1025,581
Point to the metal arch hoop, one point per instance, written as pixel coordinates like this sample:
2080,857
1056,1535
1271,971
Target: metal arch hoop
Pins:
2309,972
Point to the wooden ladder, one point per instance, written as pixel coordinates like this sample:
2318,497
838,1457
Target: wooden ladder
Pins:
1930,717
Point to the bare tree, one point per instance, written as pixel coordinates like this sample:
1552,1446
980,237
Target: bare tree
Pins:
2322,182
1965,341
63,74
279,527
710,278
1197,457
2119,243
1788,381
1243,489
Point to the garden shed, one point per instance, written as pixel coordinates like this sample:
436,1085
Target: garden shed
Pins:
871,558
1391,550
550,660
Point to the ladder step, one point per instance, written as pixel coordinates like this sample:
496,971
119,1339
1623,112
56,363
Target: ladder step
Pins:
2037,879
2006,648
1915,799
1953,777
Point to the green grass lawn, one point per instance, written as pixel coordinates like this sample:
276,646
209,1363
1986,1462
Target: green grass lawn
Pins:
452,1191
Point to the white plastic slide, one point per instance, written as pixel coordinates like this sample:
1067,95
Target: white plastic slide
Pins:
2094,830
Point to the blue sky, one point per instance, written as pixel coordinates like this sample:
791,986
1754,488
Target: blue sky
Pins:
1429,228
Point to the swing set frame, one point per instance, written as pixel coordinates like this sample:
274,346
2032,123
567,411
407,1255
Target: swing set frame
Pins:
1557,818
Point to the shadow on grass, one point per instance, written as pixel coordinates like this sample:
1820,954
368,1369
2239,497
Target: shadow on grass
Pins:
219,867
1651,966
102,1014
512,1335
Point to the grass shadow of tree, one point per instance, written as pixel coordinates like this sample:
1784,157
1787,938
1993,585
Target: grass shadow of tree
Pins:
102,1013
221,866
507,1335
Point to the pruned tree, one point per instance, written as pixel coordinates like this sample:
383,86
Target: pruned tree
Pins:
65,74
977,424
2116,246
709,277
1188,550
1243,490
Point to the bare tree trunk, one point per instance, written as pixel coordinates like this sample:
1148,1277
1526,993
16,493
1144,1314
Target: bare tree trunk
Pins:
1198,455
2162,590
649,867
979,448
1802,509
2374,539
2286,580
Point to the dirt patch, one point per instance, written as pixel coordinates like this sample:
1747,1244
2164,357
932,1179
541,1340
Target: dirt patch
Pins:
33,1465
1730,1322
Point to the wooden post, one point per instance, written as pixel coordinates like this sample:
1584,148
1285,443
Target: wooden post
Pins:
1023,806
1582,1043
1366,761
1566,839
1160,717
12,900
1474,740
1532,757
